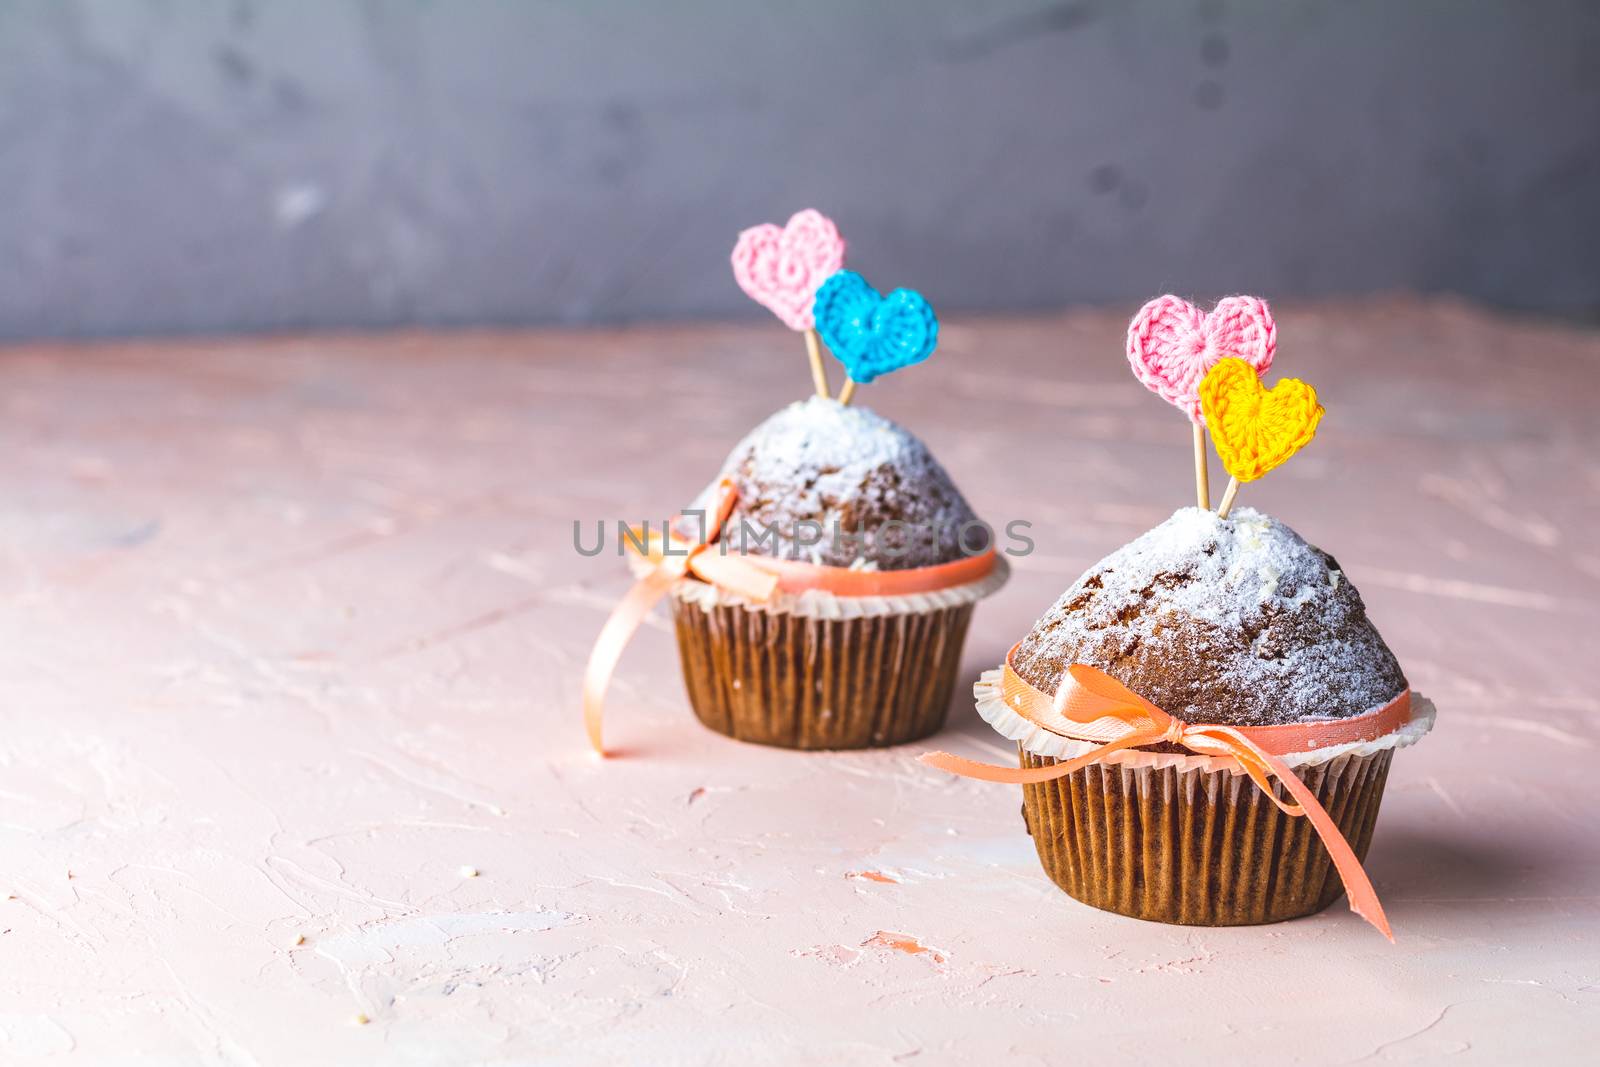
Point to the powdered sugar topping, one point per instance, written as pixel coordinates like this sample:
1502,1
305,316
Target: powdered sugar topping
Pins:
822,462
1220,620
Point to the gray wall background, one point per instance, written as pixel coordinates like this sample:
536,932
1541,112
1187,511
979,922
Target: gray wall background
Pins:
178,166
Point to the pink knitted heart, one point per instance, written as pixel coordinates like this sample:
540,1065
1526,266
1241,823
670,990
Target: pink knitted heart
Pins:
782,269
1171,344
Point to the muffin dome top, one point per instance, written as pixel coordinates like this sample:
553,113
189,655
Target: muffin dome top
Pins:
1235,621
819,461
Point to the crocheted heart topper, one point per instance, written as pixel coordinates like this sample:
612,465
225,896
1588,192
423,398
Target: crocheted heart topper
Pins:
1255,428
1172,344
781,269
872,334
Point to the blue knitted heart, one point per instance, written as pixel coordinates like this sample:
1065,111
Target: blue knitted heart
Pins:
872,334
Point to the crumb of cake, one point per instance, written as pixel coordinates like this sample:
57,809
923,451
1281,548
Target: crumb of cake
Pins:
469,872
1236,621
820,462
300,939
362,1018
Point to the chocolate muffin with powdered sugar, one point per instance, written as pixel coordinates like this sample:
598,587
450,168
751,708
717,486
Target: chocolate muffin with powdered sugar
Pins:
823,591
1206,718
836,488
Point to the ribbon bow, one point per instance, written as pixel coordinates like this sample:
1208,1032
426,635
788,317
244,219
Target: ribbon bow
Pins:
671,558
1093,706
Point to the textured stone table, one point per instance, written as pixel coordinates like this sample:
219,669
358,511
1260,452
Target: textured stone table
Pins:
292,636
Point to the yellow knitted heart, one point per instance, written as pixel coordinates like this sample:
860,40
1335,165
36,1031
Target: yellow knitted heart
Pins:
1255,428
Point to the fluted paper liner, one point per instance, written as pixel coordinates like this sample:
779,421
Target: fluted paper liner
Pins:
1183,838
818,671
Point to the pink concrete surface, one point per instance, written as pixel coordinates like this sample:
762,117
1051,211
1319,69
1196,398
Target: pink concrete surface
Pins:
292,637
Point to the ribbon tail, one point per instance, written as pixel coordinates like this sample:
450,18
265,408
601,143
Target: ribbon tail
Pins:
607,651
1257,762
1357,886
990,772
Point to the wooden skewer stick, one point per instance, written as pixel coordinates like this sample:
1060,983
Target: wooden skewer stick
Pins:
819,377
1202,477
1227,498
848,391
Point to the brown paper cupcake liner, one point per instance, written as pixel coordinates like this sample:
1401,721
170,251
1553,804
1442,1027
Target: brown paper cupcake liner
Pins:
803,680
1182,837
1197,846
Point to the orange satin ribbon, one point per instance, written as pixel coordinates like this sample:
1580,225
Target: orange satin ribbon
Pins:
756,578
1093,706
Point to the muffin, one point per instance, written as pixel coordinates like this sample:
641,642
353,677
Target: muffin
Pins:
1205,720
834,486
1237,622
822,584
